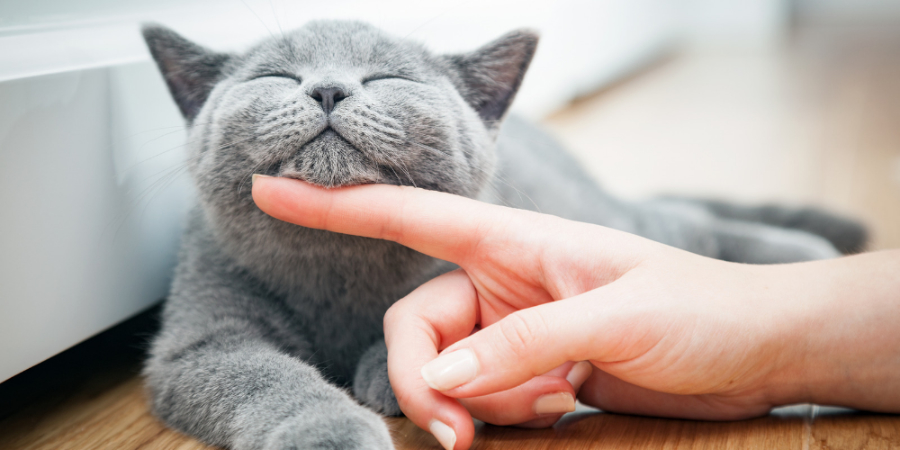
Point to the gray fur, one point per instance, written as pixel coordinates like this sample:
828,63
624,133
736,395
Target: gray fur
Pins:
371,384
268,325
846,234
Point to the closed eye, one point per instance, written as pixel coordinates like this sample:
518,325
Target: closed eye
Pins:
386,76
278,75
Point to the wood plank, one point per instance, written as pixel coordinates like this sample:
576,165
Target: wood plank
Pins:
114,417
600,431
117,417
835,429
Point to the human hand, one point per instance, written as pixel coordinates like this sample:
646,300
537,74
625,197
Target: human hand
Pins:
669,333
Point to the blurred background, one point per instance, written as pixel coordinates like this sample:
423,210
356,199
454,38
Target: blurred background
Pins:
792,101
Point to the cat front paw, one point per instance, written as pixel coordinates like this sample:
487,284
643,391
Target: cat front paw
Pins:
371,385
338,427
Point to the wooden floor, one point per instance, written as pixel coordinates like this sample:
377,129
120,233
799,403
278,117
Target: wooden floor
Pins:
116,417
816,121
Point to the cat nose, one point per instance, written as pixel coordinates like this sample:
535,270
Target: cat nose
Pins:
327,97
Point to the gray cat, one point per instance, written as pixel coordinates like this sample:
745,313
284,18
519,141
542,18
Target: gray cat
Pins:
270,326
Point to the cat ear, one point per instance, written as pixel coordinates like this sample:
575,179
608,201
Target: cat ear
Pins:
491,75
190,70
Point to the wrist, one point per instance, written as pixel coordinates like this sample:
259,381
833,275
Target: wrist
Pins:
785,317
839,344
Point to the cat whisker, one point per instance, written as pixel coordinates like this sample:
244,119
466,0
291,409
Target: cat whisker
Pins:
395,173
249,176
164,178
275,15
408,175
145,195
186,143
271,161
490,177
252,11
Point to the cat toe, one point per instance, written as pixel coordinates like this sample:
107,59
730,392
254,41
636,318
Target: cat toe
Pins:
337,429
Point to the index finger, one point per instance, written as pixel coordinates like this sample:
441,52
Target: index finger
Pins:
444,226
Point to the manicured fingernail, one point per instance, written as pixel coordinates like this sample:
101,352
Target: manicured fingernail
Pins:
451,370
579,373
558,403
257,175
443,434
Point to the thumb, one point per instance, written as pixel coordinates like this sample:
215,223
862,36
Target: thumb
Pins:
519,347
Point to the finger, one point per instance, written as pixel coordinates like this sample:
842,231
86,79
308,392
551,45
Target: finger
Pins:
530,342
579,373
609,393
576,377
543,422
538,403
436,314
444,226
542,397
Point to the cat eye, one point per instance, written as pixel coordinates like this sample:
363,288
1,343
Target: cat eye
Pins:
386,76
278,75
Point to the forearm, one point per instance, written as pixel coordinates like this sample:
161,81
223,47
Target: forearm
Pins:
845,332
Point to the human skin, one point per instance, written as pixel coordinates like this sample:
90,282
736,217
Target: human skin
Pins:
667,333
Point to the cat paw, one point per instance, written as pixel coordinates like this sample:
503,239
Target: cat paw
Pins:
845,234
341,427
371,385
800,246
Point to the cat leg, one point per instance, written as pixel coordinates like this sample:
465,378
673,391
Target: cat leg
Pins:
227,385
691,227
749,242
845,234
371,384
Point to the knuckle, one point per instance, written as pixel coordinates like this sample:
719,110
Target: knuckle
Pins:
392,316
402,312
404,397
522,333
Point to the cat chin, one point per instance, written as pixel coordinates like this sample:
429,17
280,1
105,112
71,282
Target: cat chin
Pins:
330,161
328,182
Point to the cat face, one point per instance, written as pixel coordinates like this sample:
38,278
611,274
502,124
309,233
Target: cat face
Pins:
341,103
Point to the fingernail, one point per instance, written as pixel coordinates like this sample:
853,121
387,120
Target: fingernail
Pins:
558,403
451,370
442,433
257,175
579,373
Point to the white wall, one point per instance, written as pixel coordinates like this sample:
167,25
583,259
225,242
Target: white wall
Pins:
91,210
585,42
734,23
